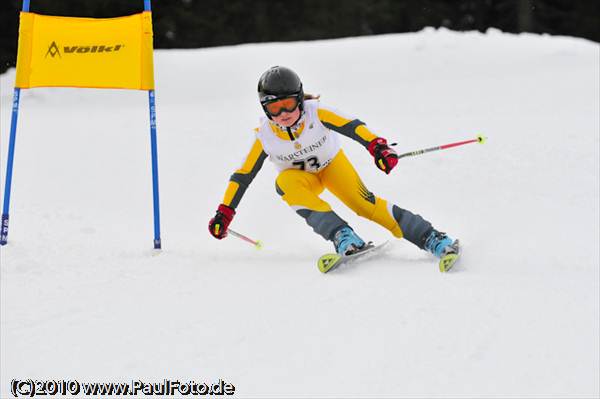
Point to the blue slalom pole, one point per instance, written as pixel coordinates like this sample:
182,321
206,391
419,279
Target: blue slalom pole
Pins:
11,156
157,243
152,105
9,166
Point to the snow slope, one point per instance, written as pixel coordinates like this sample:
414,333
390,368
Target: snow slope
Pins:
85,297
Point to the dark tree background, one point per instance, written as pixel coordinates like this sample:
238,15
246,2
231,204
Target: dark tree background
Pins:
205,23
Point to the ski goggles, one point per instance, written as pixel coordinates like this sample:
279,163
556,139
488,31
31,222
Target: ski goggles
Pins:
276,107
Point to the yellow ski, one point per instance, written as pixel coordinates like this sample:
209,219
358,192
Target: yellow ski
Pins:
329,262
447,261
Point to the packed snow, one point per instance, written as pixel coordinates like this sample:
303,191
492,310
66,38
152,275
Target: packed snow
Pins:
84,296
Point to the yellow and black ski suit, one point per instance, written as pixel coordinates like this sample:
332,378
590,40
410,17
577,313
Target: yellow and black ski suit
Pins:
310,160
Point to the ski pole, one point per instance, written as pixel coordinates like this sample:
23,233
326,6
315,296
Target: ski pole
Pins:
480,139
257,244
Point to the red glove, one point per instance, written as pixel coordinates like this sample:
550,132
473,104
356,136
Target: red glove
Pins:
385,158
219,224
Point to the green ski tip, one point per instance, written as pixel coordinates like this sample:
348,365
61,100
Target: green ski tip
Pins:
327,261
481,139
446,262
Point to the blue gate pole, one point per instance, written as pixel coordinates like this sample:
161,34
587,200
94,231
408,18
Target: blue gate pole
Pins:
152,105
157,243
9,166
11,156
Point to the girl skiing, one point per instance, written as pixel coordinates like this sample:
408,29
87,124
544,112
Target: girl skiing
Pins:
301,137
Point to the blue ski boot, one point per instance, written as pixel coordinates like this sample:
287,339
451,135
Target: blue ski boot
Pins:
347,242
444,248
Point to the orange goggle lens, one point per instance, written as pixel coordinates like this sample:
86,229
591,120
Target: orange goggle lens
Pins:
277,107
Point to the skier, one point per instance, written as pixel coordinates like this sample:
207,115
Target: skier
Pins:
301,137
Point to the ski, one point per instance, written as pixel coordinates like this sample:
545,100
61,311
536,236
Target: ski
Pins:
331,261
448,260
328,262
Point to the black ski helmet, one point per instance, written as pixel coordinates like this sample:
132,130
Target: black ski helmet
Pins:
280,82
